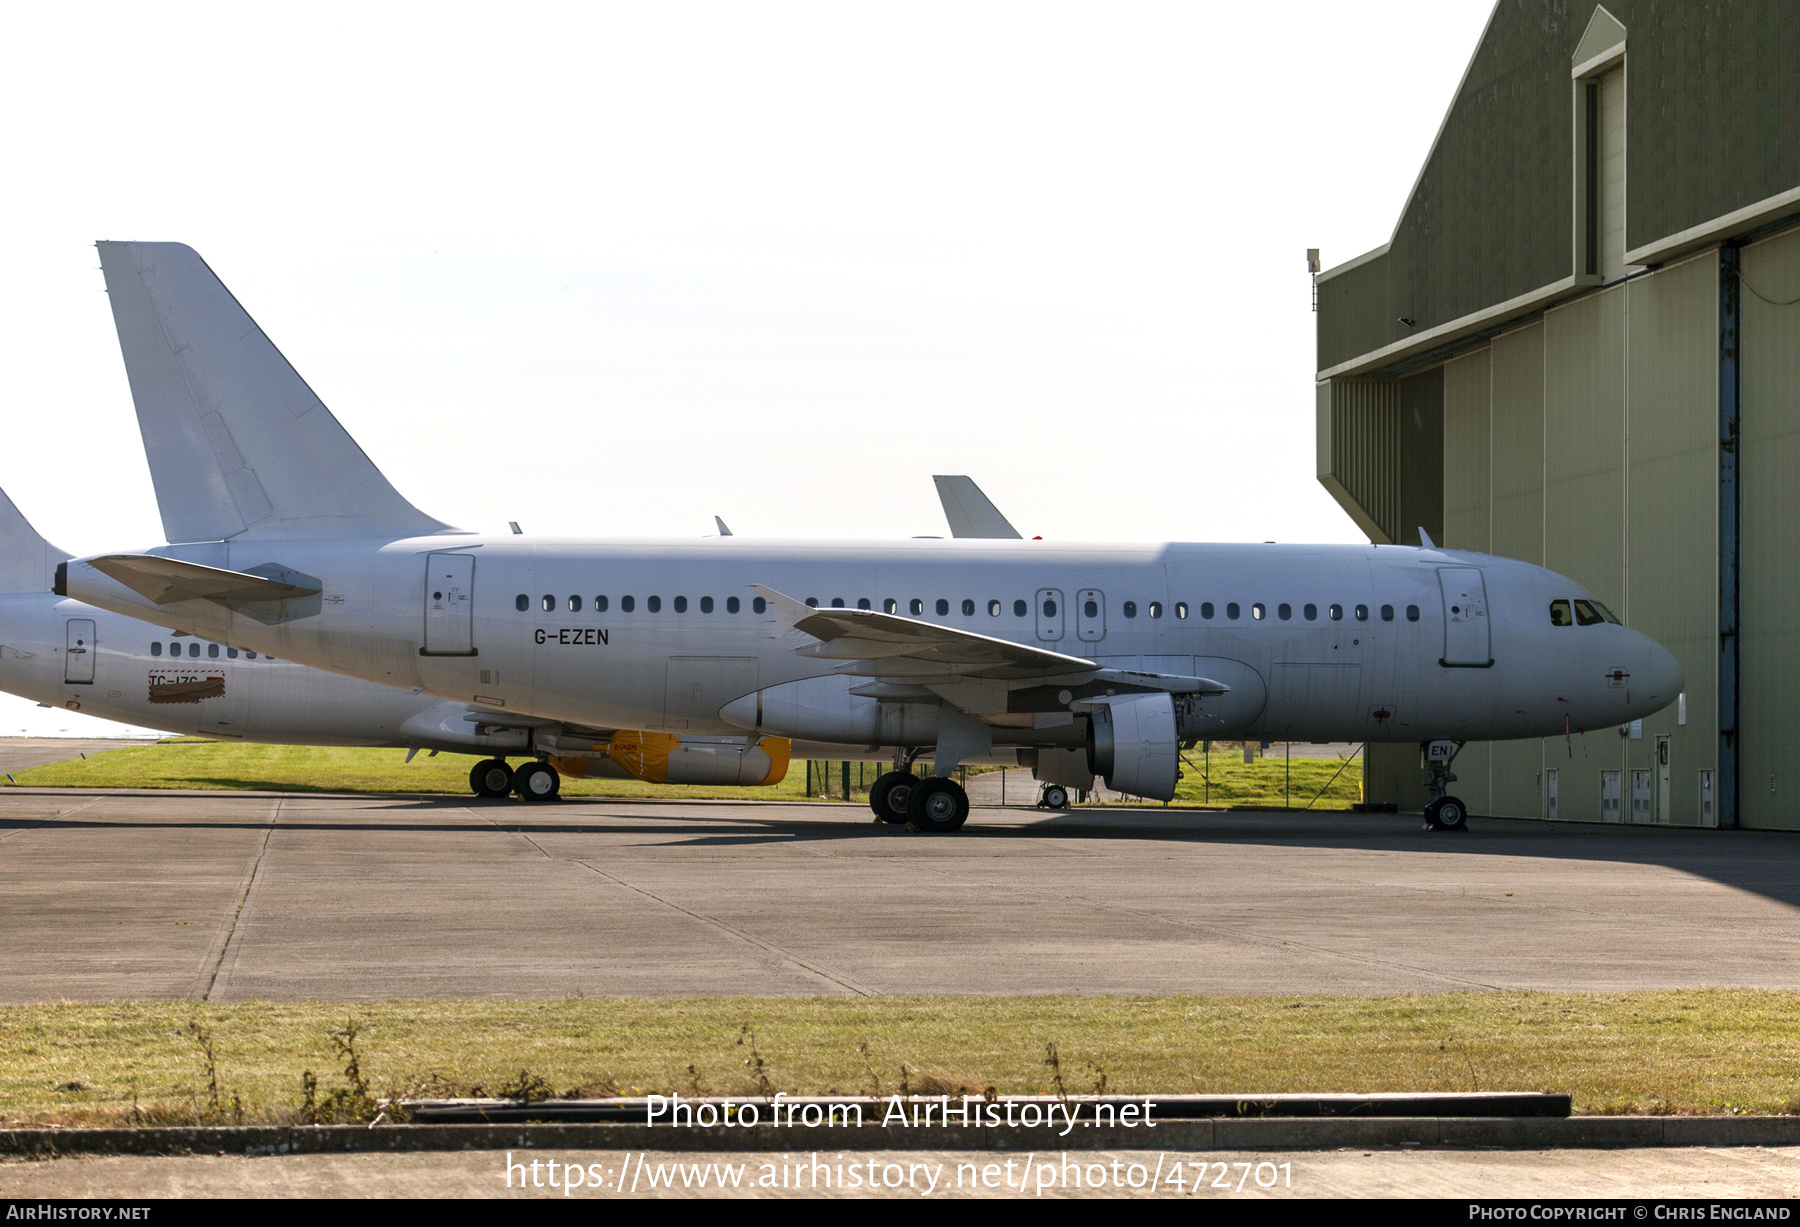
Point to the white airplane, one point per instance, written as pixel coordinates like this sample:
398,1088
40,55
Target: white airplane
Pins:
62,653
1078,659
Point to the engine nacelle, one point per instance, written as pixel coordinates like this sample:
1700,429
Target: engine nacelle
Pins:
823,709
1131,741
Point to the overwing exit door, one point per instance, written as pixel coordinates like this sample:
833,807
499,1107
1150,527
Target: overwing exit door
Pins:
449,605
78,652
1466,640
1049,613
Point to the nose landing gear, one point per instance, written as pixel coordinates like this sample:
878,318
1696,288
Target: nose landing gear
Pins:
1443,812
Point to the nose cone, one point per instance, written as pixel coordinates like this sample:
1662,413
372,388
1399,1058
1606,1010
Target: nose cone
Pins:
1664,676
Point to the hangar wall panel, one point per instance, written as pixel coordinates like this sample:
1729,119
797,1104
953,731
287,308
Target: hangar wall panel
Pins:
1517,360
1769,559
1672,374
1468,457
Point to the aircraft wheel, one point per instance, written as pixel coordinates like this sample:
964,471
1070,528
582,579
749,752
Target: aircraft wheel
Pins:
1451,814
1056,797
891,796
938,805
491,777
537,782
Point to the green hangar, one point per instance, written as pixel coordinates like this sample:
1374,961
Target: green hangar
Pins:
1581,348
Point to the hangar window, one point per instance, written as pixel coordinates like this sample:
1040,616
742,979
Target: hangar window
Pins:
813,601
1129,609
1284,611
599,604
1156,609
574,604
993,609
1587,613
862,602
732,604
1335,613
1387,613
837,602
1560,614
156,649
1181,609
890,606
521,602
549,603
653,604
1412,613
627,603
1258,612
680,604
193,649
212,651
759,606
1362,613
231,653
1231,611
1019,609
1310,612
943,607
916,605
968,608
1206,610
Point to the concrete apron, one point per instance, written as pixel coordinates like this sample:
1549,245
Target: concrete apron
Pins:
1267,1133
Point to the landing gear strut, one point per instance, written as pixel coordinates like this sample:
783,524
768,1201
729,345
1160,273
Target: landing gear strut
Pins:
1443,812
491,777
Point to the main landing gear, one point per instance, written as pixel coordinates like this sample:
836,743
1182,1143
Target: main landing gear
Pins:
936,804
534,781
1443,812
891,796
1054,796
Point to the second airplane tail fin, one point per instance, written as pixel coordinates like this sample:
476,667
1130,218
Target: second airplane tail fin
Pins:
238,444
27,561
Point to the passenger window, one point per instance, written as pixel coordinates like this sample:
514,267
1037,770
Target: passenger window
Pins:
1310,612
1020,609
968,608
1206,610
1362,613
1335,613
1586,614
812,602
733,605
549,602
862,602
1090,609
521,602
1284,611
1257,611
252,656
706,604
1387,613
212,651
1129,609
759,606
1412,613
943,607
890,606
1231,611
1181,609
193,649
653,604
1560,614
231,653
574,604
627,603
993,609
837,602
156,649
1156,609
917,606
599,604
1049,609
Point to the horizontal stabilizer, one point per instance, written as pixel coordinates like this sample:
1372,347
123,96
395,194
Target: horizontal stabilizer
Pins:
238,444
166,581
970,512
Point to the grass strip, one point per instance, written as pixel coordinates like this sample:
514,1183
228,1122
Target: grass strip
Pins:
1688,1052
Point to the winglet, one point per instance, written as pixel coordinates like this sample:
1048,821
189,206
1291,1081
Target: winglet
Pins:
970,512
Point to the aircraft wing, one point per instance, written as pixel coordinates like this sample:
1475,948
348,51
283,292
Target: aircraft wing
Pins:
896,648
167,580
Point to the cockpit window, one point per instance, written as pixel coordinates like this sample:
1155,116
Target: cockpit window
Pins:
1587,615
1606,613
1560,614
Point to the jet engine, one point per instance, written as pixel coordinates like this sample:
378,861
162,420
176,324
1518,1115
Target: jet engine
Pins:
1131,741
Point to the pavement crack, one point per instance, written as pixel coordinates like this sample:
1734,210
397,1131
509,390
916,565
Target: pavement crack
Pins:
210,969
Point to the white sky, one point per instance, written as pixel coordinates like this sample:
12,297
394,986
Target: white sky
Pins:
611,269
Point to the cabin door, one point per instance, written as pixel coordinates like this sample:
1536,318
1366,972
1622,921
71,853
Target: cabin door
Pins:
1466,639
78,653
449,605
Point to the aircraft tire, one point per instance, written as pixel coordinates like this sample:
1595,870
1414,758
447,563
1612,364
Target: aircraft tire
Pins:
537,782
1056,797
1448,814
939,806
891,796
491,777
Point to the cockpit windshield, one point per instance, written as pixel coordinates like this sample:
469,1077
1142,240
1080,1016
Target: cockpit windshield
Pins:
1560,614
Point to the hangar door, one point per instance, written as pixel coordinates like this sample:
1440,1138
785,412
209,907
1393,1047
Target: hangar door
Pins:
449,605
1466,639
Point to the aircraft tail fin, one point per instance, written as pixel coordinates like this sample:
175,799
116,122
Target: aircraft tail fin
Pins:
970,512
239,446
27,561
